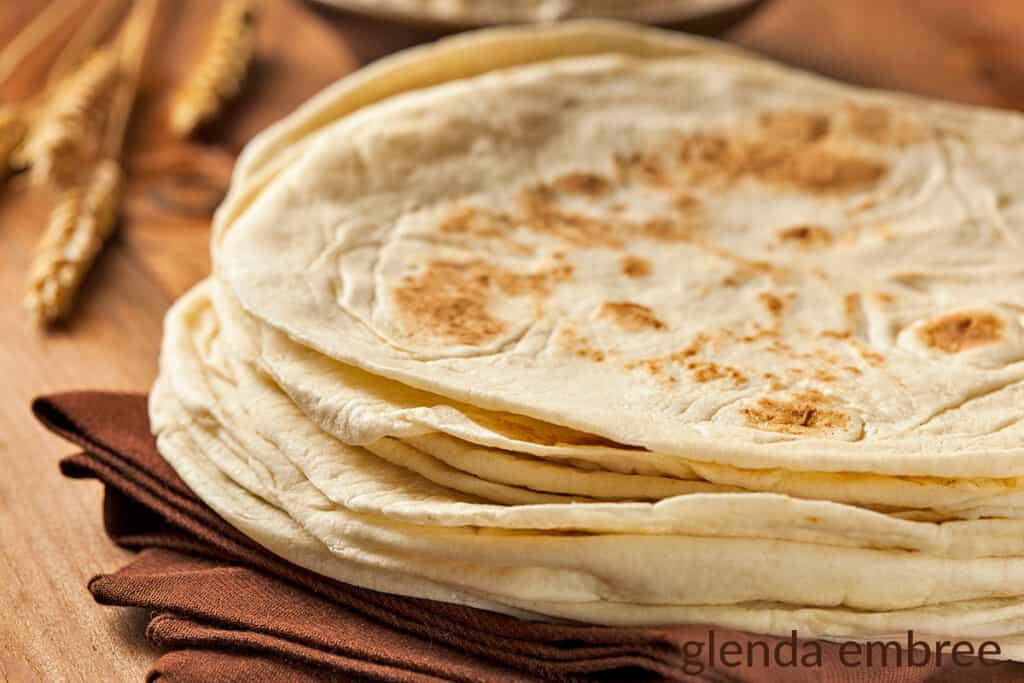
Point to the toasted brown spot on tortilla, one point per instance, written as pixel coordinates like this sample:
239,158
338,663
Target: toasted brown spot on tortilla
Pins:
962,331
652,365
745,270
680,357
807,166
477,222
643,167
573,342
696,345
630,316
822,375
772,303
805,413
665,230
853,313
866,352
686,202
542,213
795,126
883,298
449,300
806,236
538,284
707,371
878,125
635,266
579,182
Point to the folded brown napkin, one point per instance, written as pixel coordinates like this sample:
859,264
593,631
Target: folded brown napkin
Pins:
228,610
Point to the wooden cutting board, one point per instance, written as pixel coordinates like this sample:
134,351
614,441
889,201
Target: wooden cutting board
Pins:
50,529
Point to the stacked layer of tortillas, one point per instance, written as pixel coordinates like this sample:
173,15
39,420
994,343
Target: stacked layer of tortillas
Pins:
604,323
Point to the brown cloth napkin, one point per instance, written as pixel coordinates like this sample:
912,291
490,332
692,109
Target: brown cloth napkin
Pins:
228,610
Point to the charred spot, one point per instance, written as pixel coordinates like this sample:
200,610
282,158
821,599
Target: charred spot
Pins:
635,266
962,331
796,126
878,125
582,183
802,414
808,165
630,316
450,300
806,236
773,304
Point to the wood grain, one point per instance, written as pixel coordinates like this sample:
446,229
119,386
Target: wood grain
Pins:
50,528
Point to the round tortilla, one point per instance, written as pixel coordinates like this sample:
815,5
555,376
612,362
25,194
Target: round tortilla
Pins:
883,337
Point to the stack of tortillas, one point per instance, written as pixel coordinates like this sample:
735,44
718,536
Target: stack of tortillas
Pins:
605,323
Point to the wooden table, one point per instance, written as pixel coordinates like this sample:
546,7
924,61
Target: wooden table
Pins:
50,529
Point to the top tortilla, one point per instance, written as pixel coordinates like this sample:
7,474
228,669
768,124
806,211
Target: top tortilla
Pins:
700,255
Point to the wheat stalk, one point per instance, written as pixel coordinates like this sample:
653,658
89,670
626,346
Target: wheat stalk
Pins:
80,224
71,120
218,75
85,215
16,119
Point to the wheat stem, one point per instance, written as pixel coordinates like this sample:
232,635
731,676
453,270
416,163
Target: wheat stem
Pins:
85,215
17,120
80,224
70,121
218,75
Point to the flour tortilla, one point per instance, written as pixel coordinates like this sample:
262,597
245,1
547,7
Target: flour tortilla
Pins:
360,408
883,400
